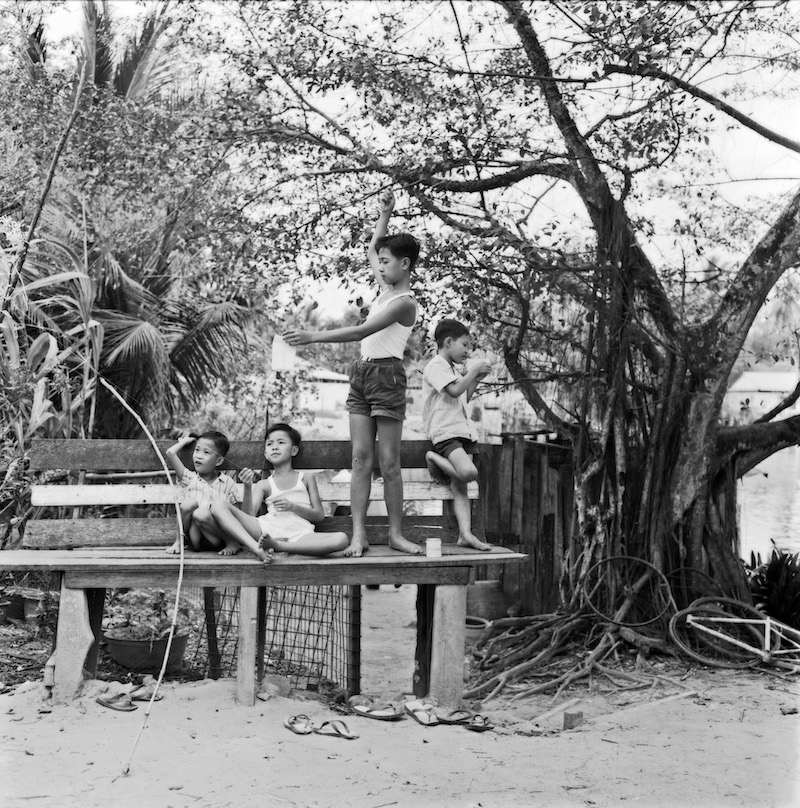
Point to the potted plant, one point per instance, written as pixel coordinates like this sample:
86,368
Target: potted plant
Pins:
137,628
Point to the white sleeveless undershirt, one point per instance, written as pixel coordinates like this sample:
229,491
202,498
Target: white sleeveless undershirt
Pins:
389,341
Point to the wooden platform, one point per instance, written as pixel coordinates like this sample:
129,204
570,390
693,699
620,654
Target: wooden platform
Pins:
90,553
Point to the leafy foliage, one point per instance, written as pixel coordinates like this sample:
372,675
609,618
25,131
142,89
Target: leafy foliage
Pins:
775,587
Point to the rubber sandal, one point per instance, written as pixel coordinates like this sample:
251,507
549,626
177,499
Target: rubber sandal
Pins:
299,724
421,713
387,713
335,729
456,717
121,702
145,693
479,723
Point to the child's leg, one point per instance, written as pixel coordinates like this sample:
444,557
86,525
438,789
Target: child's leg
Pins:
186,510
463,513
457,465
241,527
362,438
440,468
206,527
311,544
390,431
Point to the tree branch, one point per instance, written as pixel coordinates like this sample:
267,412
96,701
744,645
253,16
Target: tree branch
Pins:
696,92
755,442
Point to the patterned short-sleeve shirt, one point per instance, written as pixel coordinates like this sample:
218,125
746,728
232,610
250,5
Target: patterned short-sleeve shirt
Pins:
195,487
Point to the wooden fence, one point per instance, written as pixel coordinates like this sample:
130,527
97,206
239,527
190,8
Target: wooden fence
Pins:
527,504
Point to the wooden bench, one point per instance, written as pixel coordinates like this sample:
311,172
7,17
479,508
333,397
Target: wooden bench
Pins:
93,554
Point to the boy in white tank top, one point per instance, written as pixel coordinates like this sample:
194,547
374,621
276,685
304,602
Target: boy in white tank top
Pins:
376,402
293,506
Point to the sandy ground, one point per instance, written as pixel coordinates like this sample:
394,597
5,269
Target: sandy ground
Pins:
731,744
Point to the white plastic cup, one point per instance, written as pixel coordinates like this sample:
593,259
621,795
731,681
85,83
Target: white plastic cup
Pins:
433,548
284,356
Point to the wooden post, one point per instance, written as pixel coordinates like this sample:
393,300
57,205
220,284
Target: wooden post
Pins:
96,601
422,652
352,604
261,635
214,657
447,652
246,652
74,638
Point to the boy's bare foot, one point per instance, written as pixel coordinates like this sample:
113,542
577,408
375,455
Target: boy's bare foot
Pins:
468,540
266,555
404,545
231,548
436,473
175,549
358,546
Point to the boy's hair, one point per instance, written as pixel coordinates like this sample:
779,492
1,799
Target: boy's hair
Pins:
221,443
400,245
449,328
293,434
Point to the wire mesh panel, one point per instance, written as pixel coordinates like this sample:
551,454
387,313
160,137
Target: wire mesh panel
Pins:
311,635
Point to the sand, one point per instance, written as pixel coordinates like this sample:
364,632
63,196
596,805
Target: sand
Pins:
732,741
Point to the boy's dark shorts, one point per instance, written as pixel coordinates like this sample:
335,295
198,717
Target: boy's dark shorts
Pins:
377,388
446,447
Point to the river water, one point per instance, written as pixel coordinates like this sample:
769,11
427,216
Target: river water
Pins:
769,505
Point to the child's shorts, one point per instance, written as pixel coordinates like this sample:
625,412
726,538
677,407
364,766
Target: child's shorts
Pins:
446,447
285,526
378,388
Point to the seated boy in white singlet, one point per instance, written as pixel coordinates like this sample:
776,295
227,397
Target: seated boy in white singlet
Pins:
293,506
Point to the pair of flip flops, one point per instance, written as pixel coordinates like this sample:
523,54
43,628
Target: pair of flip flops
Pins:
384,713
124,701
302,725
425,714
120,701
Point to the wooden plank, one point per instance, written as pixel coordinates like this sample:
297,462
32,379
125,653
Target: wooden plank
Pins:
65,534
517,490
164,493
138,455
505,486
285,576
447,646
246,648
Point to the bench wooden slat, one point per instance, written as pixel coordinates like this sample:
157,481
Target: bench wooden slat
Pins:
135,567
138,455
163,493
64,534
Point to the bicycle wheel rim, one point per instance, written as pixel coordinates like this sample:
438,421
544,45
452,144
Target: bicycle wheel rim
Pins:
694,639
626,591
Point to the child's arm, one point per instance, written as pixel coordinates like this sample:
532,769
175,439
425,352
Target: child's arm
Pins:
403,308
483,369
381,228
316,513
468,383
172,454
253,495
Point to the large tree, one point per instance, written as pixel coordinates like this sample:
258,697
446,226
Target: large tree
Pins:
561,161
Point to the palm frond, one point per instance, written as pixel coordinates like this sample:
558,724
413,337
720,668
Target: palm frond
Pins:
146,67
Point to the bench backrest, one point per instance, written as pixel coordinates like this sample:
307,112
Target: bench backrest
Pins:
128,475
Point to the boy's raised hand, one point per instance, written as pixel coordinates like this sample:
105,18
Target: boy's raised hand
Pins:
387,201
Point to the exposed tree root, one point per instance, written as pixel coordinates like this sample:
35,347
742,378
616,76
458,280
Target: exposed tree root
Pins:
548,653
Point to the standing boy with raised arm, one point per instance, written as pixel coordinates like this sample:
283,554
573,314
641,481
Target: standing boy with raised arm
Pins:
446,392
377,398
